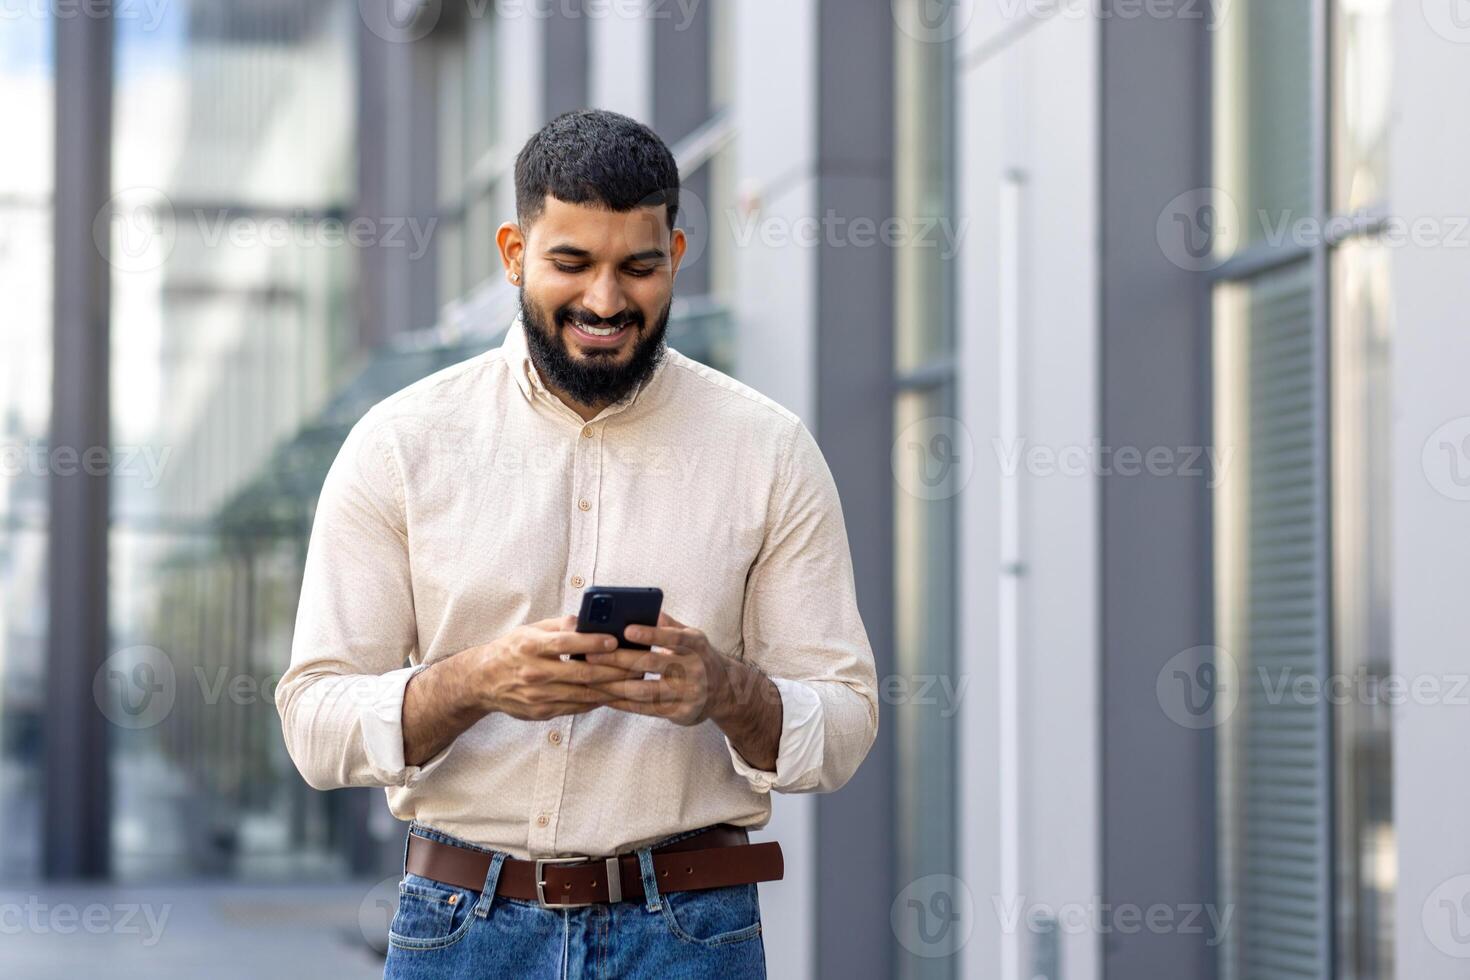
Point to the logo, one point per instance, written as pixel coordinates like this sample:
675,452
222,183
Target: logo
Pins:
933,916
1446,459
400,21
1446,917
136,229
1450,19
135,687
1199,688
933,21
934,458
1192,223
375,914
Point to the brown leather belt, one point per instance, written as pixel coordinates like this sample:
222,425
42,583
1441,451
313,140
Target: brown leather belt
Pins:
713,858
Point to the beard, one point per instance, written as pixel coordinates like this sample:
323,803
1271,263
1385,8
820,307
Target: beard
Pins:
598,378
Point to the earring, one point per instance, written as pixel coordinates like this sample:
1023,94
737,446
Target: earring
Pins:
515,277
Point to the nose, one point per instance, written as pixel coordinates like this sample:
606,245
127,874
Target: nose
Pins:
604,296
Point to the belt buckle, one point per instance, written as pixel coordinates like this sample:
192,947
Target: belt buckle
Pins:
541,863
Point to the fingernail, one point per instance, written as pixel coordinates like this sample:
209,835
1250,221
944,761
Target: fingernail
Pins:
610,643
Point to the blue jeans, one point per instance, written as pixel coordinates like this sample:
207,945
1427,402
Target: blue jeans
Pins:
440,930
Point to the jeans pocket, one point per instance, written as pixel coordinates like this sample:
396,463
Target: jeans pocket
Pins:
430,915
713,916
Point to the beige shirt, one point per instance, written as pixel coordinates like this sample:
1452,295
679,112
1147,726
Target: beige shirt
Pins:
475,501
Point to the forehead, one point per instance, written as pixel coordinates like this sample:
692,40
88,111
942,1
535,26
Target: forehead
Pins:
600,231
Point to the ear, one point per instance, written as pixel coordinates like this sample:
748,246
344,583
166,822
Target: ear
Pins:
677,246
512,244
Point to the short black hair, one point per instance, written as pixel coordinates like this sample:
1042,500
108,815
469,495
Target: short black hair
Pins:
592,156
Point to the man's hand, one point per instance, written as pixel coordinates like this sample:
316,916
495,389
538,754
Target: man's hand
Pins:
696,683
520,674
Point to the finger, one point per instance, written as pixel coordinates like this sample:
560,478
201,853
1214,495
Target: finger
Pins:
639,708
664,619
643,692
559,692
556,644
673,637
555,623
634,660
584,672
558,709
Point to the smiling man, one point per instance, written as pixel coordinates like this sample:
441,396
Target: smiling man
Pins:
580,809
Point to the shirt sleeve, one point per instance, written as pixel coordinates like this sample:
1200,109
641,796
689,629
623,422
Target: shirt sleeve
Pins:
801,627
803,738
341,700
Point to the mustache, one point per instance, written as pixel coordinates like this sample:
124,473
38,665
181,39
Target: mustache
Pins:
586,318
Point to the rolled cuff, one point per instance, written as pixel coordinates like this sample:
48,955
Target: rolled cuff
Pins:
381,719
803,743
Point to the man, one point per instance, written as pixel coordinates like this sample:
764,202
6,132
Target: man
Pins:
458,529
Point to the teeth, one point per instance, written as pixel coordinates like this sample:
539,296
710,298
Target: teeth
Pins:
598,331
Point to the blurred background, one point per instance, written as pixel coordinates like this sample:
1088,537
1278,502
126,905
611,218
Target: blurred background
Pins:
1133,332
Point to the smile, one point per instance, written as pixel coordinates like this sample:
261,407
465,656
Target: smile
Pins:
598,336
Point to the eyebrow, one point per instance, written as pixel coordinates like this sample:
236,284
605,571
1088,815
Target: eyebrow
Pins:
573,252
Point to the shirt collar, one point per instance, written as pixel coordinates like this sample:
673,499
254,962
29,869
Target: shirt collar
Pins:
517,356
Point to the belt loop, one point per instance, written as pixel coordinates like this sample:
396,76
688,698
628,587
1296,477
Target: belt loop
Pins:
492,881
650,882
407,839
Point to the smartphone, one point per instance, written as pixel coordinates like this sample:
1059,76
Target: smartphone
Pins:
613,608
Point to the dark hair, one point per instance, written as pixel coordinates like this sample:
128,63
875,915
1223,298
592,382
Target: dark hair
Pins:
592,156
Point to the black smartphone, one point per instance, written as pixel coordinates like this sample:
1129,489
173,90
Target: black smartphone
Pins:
613,608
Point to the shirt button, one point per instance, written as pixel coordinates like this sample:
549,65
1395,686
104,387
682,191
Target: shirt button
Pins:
576,581
554,738
584,504
587,432
543,820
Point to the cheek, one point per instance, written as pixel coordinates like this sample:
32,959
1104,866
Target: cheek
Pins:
650,295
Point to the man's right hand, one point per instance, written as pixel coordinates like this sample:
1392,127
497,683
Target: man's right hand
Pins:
521,674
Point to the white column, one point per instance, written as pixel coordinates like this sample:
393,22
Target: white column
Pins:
774,298
1029,792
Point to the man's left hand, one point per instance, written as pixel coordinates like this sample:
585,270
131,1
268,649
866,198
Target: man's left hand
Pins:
694,682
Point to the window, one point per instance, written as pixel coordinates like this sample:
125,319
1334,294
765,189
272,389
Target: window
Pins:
925,511
1302,597
473,168
230,332
26,113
